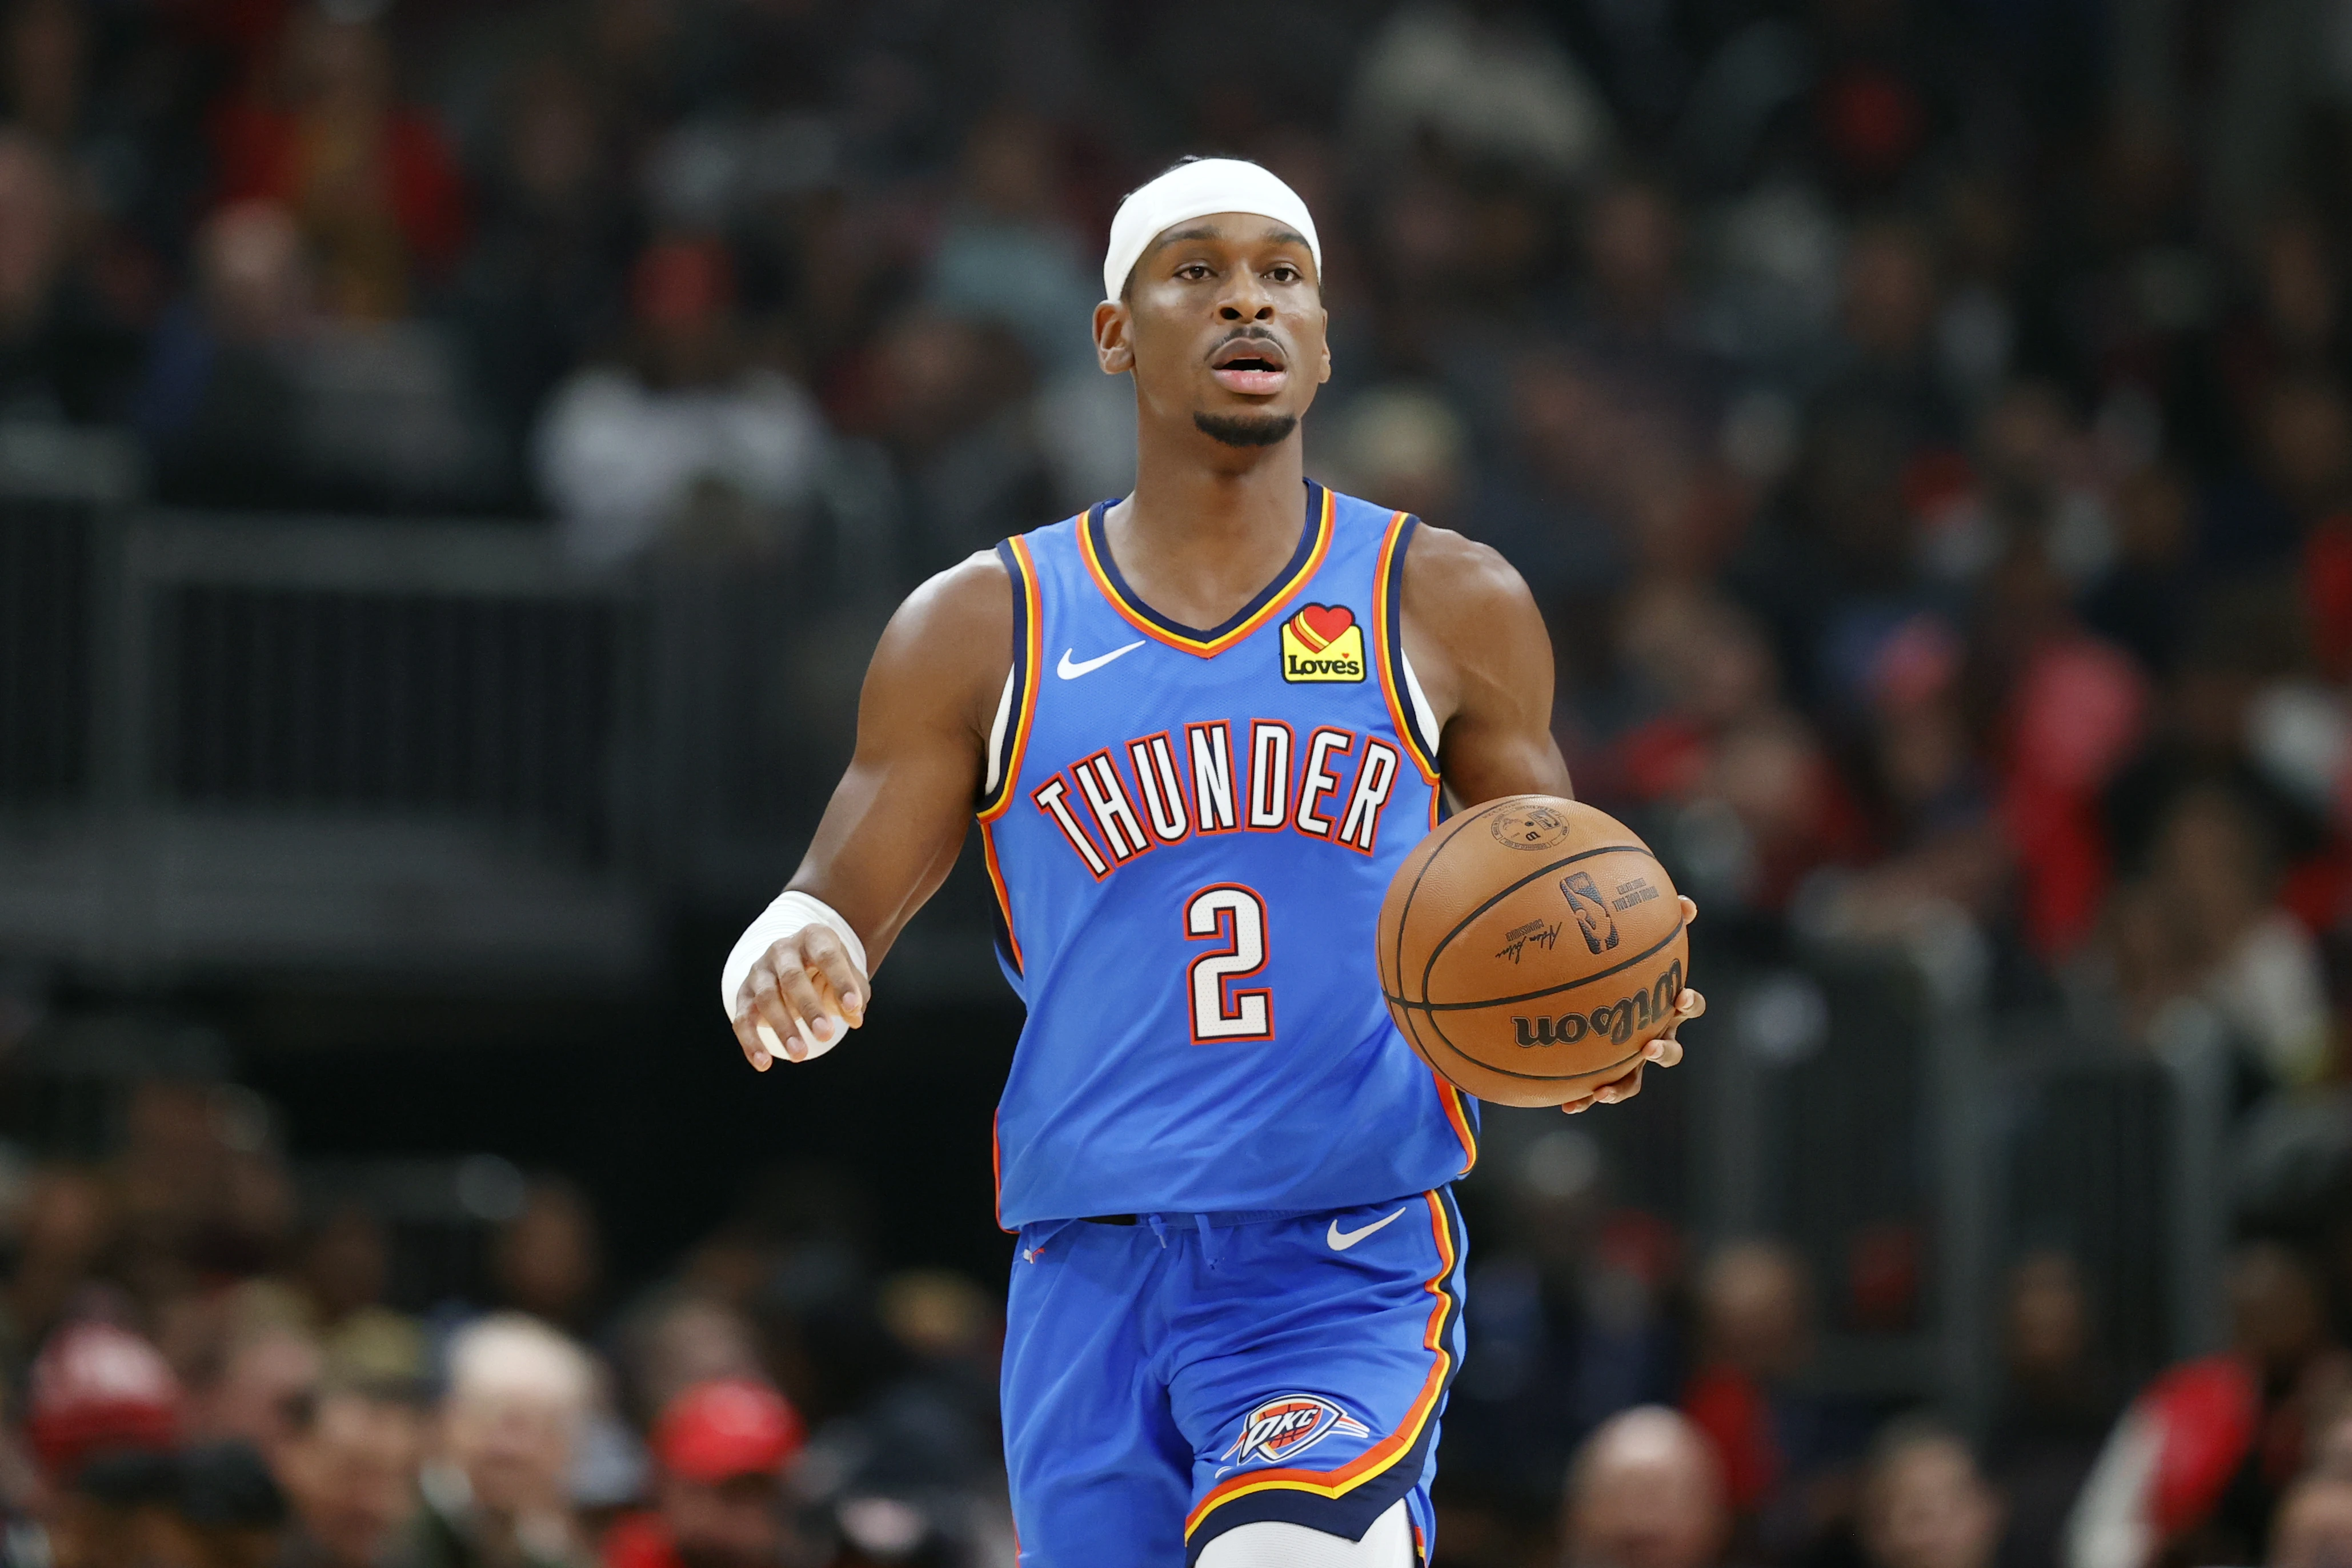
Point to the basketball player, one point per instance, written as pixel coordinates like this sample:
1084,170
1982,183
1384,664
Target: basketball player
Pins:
1199,728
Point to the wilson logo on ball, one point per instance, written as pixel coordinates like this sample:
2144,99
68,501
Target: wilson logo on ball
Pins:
1287,1425
1615,1021
1322,642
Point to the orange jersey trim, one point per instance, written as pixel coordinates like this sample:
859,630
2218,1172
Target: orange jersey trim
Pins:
1209,648
1451,1098
1389,621
1388,1449
1003,898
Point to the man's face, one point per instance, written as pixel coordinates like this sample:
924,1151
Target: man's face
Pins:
352,1477
2315,1527
1930,1510
514,1447
1222,326
733,1523
1652,1511
263,1393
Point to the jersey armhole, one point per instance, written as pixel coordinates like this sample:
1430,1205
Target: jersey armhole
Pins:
1409,707
997,733
1008,736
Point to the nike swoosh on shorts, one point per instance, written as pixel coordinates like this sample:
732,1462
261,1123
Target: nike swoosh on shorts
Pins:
1341,1241
1070,670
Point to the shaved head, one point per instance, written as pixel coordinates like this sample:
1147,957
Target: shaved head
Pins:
1645,1491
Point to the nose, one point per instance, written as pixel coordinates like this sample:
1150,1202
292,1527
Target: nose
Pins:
1246,299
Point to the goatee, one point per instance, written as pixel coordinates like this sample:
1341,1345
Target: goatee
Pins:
1246,429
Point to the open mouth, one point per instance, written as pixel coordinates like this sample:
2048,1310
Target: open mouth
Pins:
1253,367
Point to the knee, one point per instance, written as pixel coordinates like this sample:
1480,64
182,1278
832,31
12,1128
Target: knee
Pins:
1271,1543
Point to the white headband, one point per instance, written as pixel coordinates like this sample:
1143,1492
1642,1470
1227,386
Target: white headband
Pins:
1195,190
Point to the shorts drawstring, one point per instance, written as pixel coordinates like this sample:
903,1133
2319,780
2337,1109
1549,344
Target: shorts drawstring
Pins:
1034,1237
1209,1248
1208,1241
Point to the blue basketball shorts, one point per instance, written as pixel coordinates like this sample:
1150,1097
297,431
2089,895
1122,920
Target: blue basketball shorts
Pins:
1169,1379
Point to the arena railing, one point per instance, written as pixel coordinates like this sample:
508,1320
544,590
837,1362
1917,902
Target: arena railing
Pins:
1870,1106
245,742
235,742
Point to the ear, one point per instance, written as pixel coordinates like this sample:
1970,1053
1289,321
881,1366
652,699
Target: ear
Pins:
1325,373
1113,349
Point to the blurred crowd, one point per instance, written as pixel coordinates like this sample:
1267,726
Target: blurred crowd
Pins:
207,1364
1927,426
212,1359
1934,459
1633,1401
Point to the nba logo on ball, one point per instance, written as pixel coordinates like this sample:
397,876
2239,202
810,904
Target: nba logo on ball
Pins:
1287,1426
1323,642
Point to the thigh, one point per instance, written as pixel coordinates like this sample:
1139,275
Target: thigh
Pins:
1315,1359
1098,1471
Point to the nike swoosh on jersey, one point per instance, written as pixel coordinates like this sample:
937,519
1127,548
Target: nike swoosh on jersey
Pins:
1341,1241
1070,670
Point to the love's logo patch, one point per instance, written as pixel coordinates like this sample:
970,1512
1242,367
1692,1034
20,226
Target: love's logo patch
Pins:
1322,642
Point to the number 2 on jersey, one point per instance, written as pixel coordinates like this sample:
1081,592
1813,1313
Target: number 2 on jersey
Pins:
1234,917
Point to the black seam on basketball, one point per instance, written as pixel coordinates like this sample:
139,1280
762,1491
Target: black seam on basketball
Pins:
1619,967
1463,923
1405,913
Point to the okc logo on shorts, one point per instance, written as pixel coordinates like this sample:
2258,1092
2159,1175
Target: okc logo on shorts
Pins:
1287,1426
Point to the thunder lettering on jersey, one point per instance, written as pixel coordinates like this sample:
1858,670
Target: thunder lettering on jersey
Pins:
1190,833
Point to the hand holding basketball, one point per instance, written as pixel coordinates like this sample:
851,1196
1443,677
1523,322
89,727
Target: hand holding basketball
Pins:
1533,952
1665,1051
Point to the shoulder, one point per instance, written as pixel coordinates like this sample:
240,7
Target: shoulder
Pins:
975,592
1449,575
956,626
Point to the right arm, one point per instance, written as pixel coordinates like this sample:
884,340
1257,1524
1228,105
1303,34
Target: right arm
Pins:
897,819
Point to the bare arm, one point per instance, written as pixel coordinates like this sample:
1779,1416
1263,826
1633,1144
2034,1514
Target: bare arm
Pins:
1478,646
1480,649
898,818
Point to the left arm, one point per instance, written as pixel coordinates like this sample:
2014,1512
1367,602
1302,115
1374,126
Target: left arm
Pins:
1479,648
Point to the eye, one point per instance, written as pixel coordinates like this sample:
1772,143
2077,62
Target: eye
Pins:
1194,271
1284,272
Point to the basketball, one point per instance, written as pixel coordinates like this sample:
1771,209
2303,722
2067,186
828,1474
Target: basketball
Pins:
1530,949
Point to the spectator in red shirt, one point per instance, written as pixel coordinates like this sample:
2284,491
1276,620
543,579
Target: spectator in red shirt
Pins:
1788,1454
719,1451
370,180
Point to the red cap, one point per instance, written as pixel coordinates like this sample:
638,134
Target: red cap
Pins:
727,1428
96,1387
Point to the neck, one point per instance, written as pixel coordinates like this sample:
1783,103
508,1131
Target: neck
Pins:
1195,496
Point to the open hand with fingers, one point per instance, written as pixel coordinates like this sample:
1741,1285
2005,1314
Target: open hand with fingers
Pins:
802,996
1664,1052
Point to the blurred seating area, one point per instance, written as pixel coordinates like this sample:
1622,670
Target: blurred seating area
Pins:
1934,457
222,1352
454,455
220,1358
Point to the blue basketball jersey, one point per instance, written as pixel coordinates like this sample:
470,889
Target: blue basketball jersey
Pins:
1190,834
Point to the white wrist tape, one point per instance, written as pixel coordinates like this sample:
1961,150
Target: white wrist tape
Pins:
791,911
